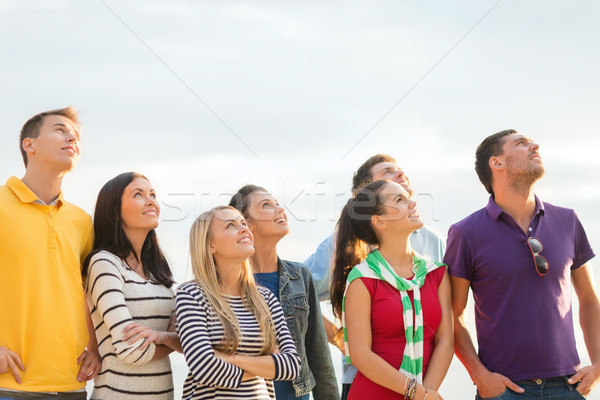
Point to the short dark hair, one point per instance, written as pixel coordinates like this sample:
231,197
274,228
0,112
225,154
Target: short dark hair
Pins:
490,147
31,129
110,236
363,175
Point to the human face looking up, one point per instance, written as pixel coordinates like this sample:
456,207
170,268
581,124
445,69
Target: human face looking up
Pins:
57,145
521,159
266,217
401,214
390,171
139,207
231,240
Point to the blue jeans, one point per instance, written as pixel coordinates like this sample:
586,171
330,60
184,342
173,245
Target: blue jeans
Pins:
542,389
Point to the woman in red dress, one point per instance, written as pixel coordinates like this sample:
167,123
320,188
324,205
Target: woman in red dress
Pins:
385,293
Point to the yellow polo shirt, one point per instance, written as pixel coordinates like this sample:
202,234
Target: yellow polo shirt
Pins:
42,309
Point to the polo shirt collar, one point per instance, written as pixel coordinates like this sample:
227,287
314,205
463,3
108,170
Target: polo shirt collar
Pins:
24,193
494,209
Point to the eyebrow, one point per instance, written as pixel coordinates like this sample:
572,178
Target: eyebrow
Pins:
76,133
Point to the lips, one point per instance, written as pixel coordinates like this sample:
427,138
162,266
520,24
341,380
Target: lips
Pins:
536,156
245,240
151,212
281,220
70,149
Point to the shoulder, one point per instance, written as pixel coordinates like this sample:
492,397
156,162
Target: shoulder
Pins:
430,233
105,259
76,212
296,268
191,288
552,210
471,223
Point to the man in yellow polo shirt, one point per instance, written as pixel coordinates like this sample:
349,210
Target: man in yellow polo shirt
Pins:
44,322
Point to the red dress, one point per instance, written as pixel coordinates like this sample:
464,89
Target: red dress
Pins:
387,330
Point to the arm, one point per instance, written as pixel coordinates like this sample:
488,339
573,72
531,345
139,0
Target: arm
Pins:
370,364
105,292
319,264
317,349
444,339
589,319
330,331
205,367
488,383
169,338
90,360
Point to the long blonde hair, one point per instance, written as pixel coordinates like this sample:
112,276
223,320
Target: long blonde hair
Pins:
208,277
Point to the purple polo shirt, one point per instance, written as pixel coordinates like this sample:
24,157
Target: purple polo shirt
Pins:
524,321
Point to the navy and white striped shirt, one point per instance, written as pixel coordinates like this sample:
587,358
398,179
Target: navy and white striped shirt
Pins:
200,330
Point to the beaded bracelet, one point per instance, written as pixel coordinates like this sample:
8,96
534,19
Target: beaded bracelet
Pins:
410,391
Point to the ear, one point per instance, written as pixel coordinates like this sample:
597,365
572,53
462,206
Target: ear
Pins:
213,250
496,163
28,145
378,222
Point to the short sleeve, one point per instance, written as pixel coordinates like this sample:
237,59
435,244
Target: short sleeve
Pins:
583,249
458,255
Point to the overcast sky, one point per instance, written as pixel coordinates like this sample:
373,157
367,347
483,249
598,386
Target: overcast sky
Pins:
203,97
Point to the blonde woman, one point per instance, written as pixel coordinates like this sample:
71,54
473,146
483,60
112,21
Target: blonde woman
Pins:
234,336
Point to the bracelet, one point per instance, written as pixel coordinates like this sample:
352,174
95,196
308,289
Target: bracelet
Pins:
426,393
410,391
414,390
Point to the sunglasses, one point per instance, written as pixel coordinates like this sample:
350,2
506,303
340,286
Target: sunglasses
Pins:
541,264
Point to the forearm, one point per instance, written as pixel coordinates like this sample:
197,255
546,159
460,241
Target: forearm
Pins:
466,353
92,345
263,366
439,363
161,351
330,330
377,370
590,325
171,340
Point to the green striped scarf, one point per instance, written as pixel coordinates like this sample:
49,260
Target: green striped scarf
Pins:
376,267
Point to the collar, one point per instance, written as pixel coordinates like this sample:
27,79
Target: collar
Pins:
495,211
25,194
286,268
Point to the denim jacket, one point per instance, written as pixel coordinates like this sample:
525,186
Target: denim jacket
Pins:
303,316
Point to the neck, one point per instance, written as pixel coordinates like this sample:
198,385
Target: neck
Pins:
519,203
265,256
137,239
231,280
44,183
398,252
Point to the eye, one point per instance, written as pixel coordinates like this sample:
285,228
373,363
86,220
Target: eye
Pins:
266,204
153,195
228,225
137,194
60,131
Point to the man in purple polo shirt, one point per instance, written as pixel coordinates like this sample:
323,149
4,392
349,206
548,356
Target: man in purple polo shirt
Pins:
520,256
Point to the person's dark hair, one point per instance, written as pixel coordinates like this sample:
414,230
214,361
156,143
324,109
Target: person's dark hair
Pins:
31,129
110,236
490,147
355,233
241,200
363,175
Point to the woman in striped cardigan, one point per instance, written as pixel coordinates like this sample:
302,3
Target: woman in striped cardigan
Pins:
234,336
130,294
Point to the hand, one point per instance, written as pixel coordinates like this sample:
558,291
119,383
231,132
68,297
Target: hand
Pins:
134,332
588,377
493,384
90,365
10,360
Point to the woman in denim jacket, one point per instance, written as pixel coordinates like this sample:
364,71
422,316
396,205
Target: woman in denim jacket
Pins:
292,283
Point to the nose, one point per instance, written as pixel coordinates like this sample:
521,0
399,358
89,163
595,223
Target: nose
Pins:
399,173
412,203
534,146
279,209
